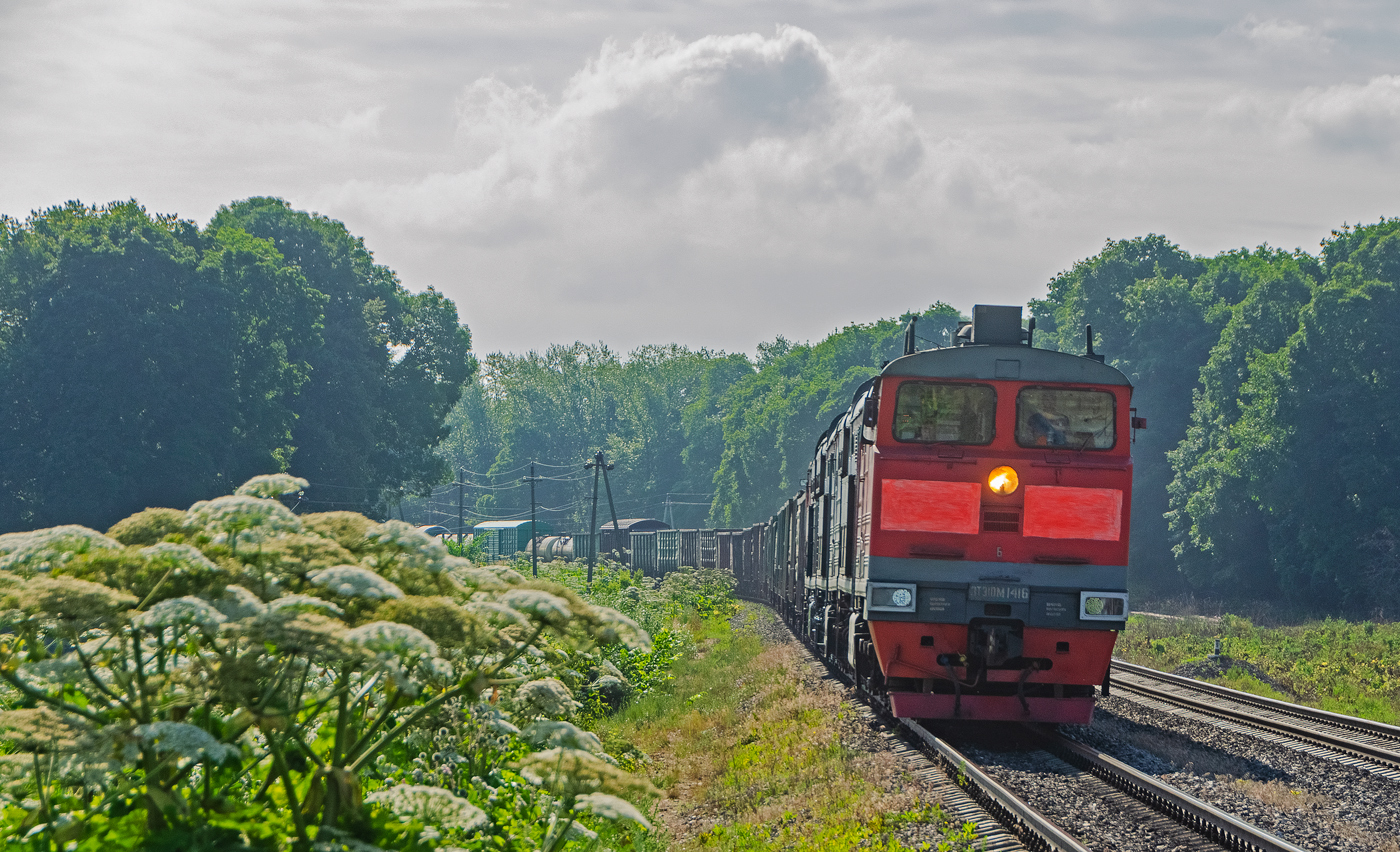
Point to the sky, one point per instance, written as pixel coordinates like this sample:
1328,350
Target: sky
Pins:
716,173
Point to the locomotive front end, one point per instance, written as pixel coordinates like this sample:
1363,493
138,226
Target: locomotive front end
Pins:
991,528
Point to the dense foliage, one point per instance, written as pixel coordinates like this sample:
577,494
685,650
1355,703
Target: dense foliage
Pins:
654,415
145,361
237,677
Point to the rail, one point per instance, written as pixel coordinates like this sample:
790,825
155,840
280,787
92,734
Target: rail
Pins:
1374,741
1186,809
1034,830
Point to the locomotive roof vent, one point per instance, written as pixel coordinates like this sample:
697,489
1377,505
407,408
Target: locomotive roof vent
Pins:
994,325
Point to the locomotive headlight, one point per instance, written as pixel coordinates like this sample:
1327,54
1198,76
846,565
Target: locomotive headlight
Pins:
890,596
1003,480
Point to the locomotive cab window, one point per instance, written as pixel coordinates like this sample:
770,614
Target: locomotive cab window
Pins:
1062,417
939,413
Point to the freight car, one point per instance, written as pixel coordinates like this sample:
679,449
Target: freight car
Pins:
960,546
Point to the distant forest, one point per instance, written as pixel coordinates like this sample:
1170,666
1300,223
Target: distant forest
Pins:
146,361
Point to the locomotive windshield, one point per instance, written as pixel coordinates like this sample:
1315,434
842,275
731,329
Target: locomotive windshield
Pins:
1058,417
937,413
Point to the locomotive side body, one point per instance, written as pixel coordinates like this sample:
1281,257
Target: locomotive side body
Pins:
961,544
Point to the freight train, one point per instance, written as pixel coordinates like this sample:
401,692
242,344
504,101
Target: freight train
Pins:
960,546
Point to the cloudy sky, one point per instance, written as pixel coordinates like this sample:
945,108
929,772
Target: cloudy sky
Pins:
716,173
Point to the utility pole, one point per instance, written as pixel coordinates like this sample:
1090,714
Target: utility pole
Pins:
593,538
534,539
461,516
611,508
669,514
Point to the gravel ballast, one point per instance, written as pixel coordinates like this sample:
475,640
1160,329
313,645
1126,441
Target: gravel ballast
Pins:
1313,802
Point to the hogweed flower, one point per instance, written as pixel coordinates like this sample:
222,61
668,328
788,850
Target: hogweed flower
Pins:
70,599
185,741
432,806
551,609
46,549
611,808
615,627
566,734
548,696
238,603
390,637
352,581
241,513
187,559
562,770
272,485
179,612
293,601
425,551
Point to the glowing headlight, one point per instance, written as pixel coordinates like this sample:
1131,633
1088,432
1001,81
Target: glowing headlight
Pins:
1003,480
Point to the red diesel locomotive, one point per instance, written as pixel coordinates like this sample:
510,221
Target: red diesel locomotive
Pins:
961,545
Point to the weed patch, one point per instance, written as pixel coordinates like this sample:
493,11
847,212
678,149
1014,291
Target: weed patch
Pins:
1342,666
754,751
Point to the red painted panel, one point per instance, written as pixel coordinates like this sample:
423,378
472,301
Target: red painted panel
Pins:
924,505
901,652
993,708
1054,511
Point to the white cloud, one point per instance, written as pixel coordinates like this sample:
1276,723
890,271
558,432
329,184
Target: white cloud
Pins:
1283,34
726,121
744,145
1350,116
563,175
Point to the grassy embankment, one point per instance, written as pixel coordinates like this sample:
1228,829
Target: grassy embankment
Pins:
1346,667
752,751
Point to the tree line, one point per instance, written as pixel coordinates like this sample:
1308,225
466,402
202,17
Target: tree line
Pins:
146,361
718,439
1269,378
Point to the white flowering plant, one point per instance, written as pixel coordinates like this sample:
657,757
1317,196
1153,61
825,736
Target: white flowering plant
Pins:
258,679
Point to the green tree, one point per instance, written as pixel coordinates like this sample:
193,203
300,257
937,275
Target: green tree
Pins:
1317,434
390,367
653,414
134,366
1155,316
1217,525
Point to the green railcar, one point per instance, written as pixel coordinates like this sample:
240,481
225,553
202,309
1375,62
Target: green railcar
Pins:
504,539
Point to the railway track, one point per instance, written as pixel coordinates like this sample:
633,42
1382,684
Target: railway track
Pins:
1171,818
1007,822
1372,746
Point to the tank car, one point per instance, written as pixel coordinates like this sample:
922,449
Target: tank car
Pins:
961,544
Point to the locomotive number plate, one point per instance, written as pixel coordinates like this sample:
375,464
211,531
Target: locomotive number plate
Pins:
1001,594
